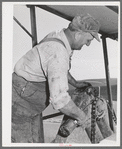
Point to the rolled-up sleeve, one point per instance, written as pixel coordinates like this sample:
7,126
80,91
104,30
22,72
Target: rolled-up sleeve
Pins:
57,79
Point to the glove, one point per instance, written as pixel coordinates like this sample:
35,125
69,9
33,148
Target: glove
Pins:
92,91
81,84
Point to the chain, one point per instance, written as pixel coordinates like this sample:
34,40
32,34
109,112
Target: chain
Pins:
93,120
93,115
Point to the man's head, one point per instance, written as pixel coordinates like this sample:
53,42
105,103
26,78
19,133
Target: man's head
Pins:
84,28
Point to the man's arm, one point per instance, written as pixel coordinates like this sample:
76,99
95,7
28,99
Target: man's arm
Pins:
77,84
71,80
58,86
74,112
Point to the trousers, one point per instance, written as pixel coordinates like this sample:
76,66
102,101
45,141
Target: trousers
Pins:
29,99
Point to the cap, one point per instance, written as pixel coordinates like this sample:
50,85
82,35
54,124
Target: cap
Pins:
86,23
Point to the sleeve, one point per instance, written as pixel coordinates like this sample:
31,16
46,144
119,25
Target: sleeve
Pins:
57,79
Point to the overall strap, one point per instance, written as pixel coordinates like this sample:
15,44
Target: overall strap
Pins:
52,39
46,40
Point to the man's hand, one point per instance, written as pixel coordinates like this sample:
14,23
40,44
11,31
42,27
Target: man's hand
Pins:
81,84
77,84
74,112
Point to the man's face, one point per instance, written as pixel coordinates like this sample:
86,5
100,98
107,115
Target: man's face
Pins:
84,38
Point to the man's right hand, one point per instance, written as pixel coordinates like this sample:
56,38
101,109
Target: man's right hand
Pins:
81,84
74,112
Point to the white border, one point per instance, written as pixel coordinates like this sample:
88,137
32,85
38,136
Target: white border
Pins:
111,3
7,42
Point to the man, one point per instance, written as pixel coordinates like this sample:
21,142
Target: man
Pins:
47,64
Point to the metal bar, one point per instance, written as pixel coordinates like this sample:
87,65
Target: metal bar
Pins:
22,26
41,130
108,82
52,115
34,42
33,25
56,12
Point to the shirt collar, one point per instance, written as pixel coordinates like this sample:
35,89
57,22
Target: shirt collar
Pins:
66,42
61,35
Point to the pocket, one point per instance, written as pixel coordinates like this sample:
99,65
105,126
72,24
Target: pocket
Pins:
28,90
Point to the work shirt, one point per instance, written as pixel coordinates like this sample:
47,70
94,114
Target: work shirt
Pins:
49,61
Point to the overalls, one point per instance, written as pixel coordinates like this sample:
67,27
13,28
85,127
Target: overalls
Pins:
29,99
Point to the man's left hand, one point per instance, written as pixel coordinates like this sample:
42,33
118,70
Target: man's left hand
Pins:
81,84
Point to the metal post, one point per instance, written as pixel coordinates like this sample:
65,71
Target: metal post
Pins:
34,42
22,26
108,82
41,130
33,25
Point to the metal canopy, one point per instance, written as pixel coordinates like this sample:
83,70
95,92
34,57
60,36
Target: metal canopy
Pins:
106,15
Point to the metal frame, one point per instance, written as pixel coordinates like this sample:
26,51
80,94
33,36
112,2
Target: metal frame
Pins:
69,18
108,82
34,42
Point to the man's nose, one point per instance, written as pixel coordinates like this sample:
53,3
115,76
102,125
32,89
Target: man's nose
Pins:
88,43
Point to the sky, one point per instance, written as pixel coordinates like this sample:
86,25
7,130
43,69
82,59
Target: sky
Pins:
88,63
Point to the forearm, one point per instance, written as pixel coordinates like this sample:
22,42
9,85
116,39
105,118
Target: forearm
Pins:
77,84
71,80
73,111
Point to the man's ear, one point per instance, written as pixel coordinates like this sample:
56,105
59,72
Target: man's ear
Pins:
77,35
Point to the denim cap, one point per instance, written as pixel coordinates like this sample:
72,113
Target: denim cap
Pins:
86,23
